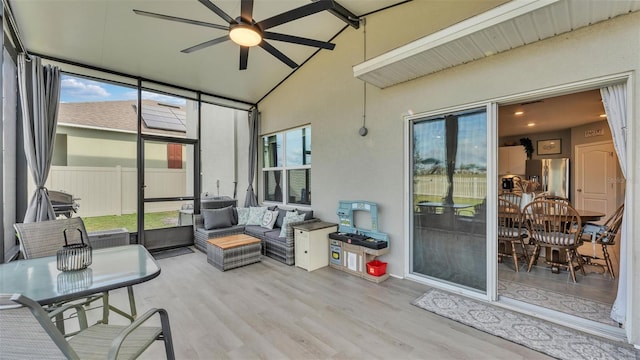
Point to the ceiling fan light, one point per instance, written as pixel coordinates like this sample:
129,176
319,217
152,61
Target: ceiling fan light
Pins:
245,35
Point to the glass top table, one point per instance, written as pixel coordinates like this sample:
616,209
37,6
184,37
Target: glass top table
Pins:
111,268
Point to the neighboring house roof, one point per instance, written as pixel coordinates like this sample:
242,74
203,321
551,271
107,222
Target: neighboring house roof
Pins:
158,118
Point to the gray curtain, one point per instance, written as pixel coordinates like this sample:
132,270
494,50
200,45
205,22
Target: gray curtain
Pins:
250,198
39,97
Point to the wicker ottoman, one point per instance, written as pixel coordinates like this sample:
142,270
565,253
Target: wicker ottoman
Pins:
233,251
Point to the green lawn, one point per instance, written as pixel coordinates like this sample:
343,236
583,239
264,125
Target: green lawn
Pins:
129,221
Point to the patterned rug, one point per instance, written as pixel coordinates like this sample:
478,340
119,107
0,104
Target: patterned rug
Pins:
584,308
545,337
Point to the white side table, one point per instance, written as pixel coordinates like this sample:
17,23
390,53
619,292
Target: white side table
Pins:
312,244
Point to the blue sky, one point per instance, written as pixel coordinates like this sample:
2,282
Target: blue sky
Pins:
77,89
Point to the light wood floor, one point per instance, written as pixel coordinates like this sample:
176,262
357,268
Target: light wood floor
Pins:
594,285
272,311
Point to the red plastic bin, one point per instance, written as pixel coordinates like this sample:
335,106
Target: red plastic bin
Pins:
376,268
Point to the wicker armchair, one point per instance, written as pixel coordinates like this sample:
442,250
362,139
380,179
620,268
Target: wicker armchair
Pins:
26,332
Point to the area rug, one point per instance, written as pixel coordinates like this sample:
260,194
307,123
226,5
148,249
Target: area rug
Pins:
163,254
584,308
545,337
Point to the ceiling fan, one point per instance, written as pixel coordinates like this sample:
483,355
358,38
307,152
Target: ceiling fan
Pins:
246,32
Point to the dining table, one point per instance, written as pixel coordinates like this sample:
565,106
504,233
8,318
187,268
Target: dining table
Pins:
111,268
589,215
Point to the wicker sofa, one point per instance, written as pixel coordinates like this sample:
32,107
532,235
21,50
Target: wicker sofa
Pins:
274,246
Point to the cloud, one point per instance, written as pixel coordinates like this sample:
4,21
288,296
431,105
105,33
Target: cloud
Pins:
166,99
79,89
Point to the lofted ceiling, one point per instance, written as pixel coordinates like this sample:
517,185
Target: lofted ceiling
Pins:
107,34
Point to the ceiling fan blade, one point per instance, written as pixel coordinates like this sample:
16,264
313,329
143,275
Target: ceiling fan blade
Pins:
246,11
173,18
275,52
298,40
218,11
296,13
205,44
244,57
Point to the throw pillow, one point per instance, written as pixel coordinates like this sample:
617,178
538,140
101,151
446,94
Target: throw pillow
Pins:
269,219
255,215
218,218
282,213
308,214
243,215
291,217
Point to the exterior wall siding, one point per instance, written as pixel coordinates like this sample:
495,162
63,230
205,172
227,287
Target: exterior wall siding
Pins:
348,166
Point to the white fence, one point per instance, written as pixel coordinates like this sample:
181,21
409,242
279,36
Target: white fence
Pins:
114,190
463,186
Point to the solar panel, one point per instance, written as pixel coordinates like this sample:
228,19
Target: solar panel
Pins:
164,118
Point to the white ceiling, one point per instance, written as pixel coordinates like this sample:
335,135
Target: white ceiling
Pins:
107,34
551,114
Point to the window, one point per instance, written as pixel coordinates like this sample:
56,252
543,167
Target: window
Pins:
174,156
286,159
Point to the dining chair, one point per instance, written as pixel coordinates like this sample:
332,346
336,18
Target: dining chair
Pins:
547,196
555,225
511,197
605,235
27,332
45,238
511,232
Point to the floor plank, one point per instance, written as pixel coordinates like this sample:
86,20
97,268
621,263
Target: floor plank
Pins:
269,310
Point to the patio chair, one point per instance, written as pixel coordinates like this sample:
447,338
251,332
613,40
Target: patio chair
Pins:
604,235
45,238
511,232
555,225
26,332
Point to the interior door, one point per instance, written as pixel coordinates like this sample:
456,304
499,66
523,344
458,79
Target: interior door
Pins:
595,169
595,189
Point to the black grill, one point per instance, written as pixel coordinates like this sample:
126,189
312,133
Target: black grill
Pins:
63,203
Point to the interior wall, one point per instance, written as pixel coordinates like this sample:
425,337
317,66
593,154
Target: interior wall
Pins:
563,135
578,137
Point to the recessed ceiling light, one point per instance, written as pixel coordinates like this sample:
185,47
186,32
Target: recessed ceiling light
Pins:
531,124
518,113
603,115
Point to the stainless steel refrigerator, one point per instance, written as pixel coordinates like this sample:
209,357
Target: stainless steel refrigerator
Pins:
553,175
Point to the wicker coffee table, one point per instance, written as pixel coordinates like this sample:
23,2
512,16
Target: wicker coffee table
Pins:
233,251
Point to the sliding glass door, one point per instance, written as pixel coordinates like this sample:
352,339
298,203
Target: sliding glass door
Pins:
448,168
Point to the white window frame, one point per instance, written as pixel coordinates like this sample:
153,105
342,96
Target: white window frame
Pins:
284,182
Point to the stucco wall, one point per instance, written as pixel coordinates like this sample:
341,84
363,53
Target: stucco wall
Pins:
347,166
